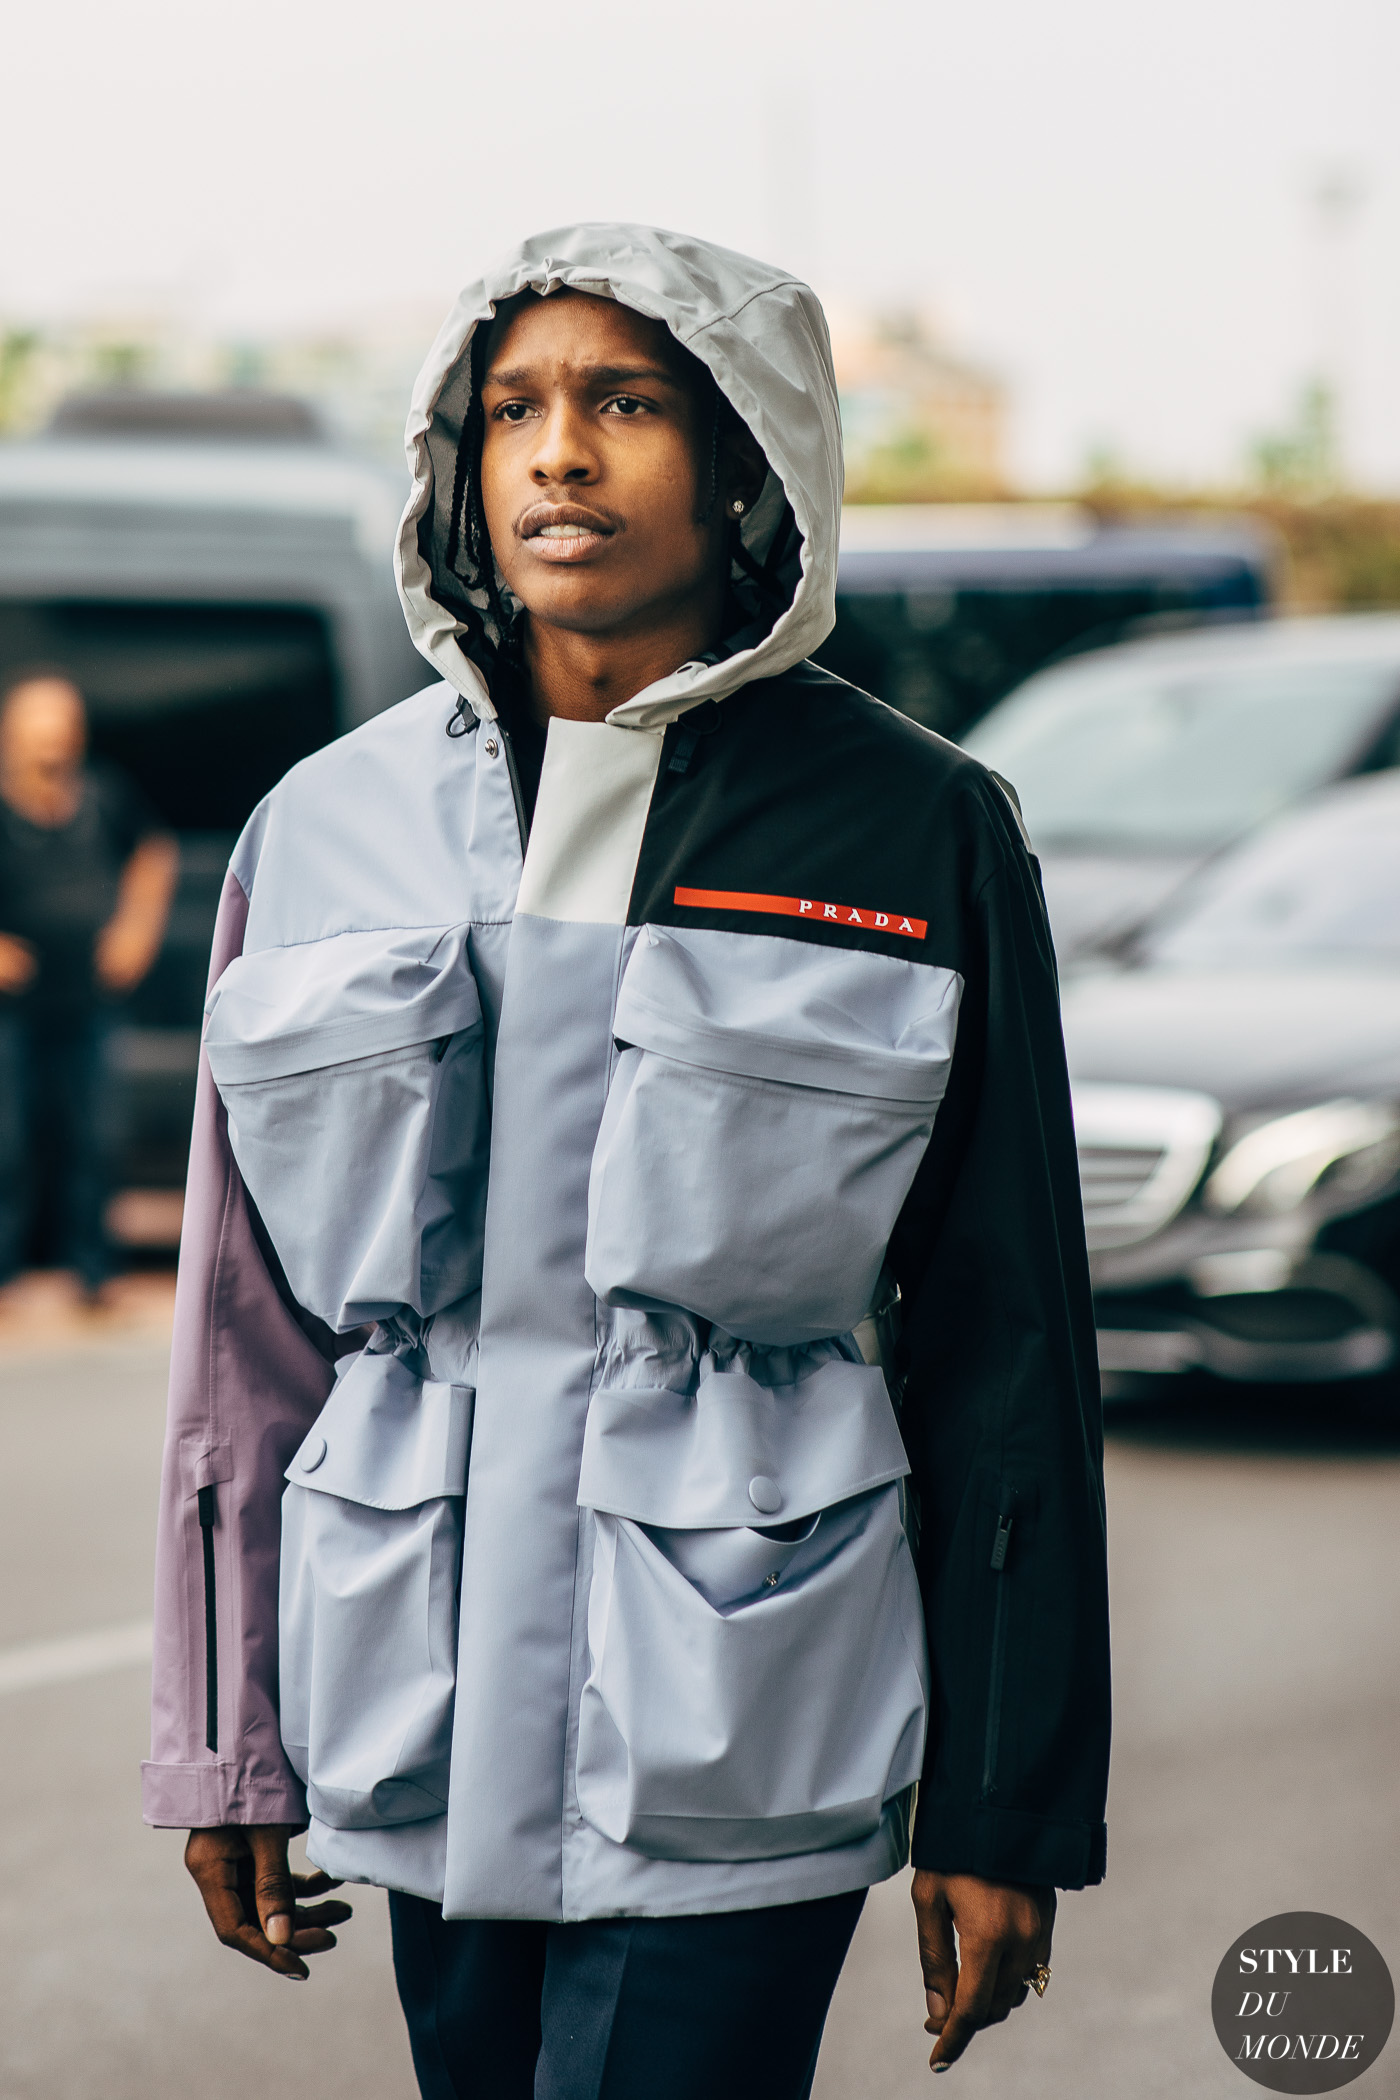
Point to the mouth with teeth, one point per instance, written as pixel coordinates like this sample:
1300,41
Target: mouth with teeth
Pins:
564,532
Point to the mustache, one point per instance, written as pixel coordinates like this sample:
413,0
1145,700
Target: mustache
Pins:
534,519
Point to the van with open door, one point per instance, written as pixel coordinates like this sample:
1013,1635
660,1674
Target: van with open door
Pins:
215,573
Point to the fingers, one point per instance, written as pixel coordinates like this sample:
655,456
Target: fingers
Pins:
1002,1932
309,1933
1011,1986
251,1897
274,1891
310,1927
938,1954
314,1884
972,2002
212,1857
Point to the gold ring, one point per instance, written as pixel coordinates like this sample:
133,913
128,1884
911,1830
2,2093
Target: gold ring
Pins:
1038,1978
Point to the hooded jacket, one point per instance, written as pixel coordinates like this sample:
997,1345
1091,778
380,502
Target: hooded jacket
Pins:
634,1402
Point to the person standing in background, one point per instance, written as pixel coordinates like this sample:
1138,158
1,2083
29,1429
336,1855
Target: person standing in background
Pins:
87,873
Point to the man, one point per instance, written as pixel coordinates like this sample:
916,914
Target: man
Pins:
629,1057
86,877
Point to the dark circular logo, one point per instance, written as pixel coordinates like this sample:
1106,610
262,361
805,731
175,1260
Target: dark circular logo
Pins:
1303,2003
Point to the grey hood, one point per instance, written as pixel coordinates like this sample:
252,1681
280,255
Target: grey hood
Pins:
763,336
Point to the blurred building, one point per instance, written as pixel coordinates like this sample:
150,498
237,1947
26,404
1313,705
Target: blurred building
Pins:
921,421
359,376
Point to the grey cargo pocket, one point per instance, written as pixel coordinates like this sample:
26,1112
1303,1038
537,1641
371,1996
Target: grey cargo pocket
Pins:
768,1111
757,1680
352,1071
371,1547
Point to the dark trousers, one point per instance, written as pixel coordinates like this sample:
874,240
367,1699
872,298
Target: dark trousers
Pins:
721,2007
59,1109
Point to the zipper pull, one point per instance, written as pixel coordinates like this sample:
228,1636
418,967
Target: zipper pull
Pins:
703,720
1001,1542
684,751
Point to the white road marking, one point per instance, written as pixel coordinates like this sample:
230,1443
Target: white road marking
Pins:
78,1655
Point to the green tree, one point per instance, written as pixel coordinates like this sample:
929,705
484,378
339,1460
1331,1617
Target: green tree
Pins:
18,349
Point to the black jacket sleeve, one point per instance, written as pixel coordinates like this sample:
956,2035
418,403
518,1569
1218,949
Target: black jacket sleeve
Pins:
1001,1411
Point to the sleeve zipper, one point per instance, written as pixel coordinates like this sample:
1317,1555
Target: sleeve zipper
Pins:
207,1519
1001,1544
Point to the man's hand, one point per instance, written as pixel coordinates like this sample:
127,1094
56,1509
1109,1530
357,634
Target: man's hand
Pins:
1003,1934
130,941
126,948
18,963
253,1898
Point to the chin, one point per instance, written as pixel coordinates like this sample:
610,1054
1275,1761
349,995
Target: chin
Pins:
577,605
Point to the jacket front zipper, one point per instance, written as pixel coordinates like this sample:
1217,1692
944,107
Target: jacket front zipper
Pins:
211,1621
522,815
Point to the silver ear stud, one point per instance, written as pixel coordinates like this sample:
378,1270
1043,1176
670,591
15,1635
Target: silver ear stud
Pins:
736,504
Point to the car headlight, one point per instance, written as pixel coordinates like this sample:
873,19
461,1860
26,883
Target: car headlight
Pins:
1351,1146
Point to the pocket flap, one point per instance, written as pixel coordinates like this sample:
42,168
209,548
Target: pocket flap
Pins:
386,1439
739,1452
285,1010
770,1008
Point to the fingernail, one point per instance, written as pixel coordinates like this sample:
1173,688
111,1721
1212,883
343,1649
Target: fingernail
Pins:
279,1928
939,2067
937,2006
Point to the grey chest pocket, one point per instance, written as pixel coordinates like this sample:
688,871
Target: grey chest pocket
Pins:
767,1114
353,1074
371,1548
756,1646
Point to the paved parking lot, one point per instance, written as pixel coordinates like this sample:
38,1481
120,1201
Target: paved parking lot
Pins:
1257,1622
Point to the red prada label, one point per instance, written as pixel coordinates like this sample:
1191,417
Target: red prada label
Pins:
804,908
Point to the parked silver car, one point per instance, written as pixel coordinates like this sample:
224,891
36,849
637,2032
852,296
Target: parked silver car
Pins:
1136,764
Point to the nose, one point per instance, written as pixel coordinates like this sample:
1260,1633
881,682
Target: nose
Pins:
564,455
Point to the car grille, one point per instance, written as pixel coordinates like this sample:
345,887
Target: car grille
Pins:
1112,1175
1142,1151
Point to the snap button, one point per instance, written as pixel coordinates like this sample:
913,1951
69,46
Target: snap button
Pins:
492,747
313,1454
765,1494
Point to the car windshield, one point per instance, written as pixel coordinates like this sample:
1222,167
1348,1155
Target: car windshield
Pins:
1177,759
1323,884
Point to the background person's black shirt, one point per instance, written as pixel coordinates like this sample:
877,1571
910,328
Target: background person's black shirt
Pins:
59,886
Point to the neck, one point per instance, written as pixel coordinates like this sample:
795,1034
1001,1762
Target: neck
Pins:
43,797
583,677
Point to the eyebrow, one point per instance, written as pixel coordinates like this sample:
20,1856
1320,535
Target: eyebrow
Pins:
594,375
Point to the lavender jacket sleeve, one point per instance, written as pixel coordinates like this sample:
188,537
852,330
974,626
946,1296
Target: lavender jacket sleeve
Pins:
245,1383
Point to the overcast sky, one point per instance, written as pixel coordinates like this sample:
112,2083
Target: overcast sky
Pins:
1109,200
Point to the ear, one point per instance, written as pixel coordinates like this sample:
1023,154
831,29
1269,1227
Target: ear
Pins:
743,468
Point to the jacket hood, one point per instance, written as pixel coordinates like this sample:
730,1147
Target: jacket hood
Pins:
763,336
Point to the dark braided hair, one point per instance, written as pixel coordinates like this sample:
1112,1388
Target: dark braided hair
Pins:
467,512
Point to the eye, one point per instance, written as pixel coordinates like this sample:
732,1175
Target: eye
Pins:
512,412
626,405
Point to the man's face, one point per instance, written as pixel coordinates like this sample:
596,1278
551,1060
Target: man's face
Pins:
594,468
43,729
